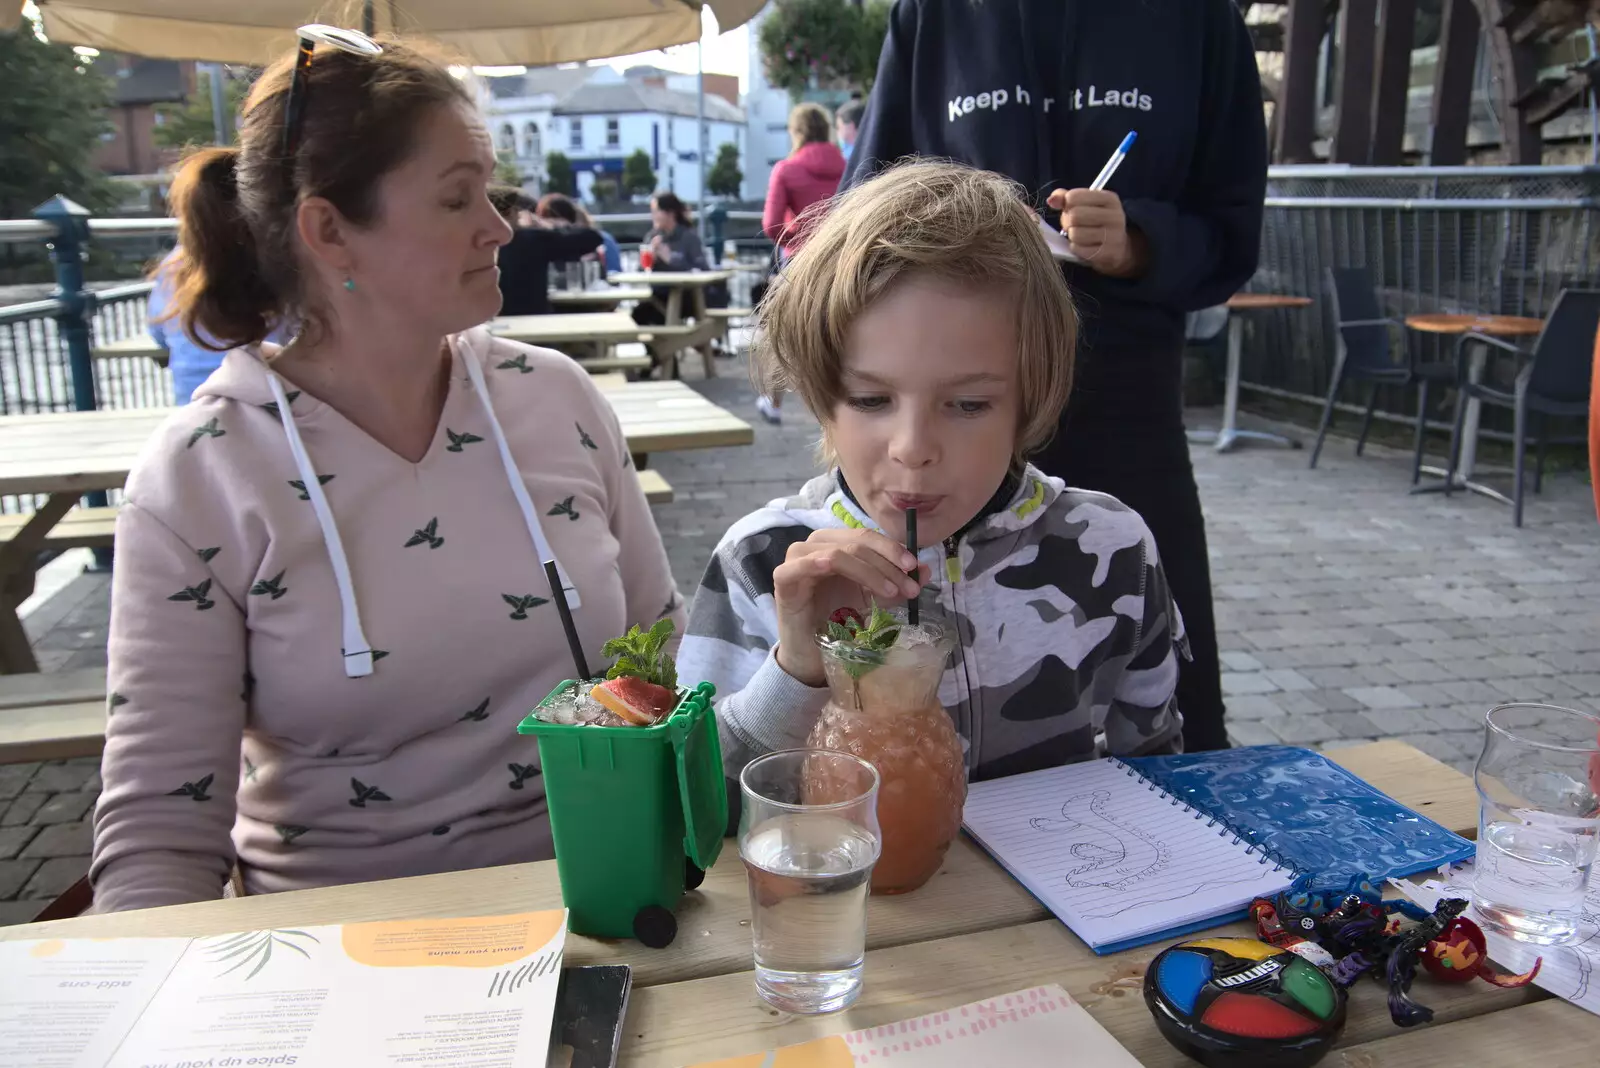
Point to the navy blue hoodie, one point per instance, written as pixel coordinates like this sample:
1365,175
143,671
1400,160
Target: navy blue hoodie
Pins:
1081,75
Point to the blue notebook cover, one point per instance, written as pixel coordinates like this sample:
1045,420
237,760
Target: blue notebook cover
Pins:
1306,812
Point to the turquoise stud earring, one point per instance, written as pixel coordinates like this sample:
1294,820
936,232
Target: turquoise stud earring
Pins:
350,284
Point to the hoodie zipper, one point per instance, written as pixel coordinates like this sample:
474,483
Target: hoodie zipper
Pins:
952,574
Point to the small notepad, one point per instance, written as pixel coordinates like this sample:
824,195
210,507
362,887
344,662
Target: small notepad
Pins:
1119,861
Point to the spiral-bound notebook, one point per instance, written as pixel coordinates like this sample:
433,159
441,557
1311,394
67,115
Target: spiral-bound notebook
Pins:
1132,852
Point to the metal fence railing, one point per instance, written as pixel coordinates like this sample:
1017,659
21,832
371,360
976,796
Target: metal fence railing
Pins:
1502,240
35,375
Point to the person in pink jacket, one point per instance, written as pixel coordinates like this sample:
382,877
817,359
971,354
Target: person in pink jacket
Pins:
330,608
807,178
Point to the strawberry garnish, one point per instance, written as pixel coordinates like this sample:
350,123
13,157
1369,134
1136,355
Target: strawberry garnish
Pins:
846,617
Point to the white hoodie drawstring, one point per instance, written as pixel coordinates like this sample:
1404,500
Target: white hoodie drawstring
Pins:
519,488
357,650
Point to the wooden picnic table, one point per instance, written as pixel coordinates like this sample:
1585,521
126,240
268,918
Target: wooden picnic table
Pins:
677,284
568,328
596,298
602,330
64,455
971,933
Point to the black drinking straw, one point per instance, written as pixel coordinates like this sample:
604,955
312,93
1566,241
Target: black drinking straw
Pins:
911,544
567,625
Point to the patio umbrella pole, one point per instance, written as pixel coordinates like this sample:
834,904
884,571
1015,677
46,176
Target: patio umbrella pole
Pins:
700,100
367,25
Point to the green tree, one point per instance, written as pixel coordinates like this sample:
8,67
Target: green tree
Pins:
821,43
190,123
725,178
558,175
52,113
506,172
637,177
604,190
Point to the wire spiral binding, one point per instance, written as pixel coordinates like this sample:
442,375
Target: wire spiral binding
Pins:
1279,862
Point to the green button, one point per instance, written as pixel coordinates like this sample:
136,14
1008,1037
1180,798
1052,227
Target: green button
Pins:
1310,987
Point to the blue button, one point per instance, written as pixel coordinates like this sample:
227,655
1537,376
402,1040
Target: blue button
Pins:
1181,977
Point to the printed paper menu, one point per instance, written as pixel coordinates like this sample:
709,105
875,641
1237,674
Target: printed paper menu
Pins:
1028,1027
476,992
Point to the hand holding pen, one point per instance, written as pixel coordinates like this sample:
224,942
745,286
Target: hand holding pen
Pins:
1094,223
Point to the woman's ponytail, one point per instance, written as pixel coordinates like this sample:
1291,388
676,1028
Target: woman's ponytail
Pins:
220,294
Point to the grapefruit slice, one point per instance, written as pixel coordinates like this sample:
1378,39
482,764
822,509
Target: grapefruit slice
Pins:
638,702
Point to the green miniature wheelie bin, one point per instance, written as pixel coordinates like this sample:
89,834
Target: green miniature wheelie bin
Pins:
636,813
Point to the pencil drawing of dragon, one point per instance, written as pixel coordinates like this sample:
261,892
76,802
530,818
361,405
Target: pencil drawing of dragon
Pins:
1113,854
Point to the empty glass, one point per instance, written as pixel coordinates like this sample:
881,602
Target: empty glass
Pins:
1538,781
809,866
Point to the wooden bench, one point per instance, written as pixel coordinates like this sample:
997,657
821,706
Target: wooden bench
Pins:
657,490
596,365
81,528
723,318
52,716
668,342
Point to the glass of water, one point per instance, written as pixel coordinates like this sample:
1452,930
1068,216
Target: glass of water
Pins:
1538,781
810,867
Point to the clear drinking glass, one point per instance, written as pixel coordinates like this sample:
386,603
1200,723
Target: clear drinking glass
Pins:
810,866
1538,781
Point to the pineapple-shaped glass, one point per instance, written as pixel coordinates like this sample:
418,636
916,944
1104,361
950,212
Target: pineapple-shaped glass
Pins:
884,708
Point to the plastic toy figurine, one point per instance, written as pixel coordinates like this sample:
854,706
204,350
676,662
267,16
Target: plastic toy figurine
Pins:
1461,953
1365,935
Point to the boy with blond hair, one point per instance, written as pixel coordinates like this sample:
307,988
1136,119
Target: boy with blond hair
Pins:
927,327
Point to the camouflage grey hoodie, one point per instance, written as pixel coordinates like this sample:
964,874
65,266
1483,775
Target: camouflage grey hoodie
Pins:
1067,630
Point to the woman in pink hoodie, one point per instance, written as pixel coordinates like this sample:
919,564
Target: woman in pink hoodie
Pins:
330,608
808,177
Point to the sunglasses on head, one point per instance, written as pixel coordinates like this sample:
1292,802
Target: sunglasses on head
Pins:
352,41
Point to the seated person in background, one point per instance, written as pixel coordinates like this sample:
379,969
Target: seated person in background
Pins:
330,609
535,244
191,362
674,245
564,211
928,328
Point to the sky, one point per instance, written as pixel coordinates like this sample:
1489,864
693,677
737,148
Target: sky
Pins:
726,53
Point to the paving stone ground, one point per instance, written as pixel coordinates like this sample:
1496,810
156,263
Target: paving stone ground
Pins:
1347,609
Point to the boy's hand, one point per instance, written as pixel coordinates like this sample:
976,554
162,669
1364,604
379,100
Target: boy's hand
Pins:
1097,229
829,570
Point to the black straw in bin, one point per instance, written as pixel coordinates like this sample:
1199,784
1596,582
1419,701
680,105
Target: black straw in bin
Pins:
911,544
573,643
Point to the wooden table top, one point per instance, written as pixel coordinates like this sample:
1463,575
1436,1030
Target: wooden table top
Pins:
83,451
1493,325
608,327
971,933
612,295
669,278
1262,301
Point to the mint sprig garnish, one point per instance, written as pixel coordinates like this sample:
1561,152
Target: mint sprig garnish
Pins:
861,645
643,654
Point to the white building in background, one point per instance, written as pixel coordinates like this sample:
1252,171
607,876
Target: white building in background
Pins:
597,117
767,118
519,110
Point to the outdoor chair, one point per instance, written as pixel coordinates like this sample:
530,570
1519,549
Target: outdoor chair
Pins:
1365,353
1555,381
